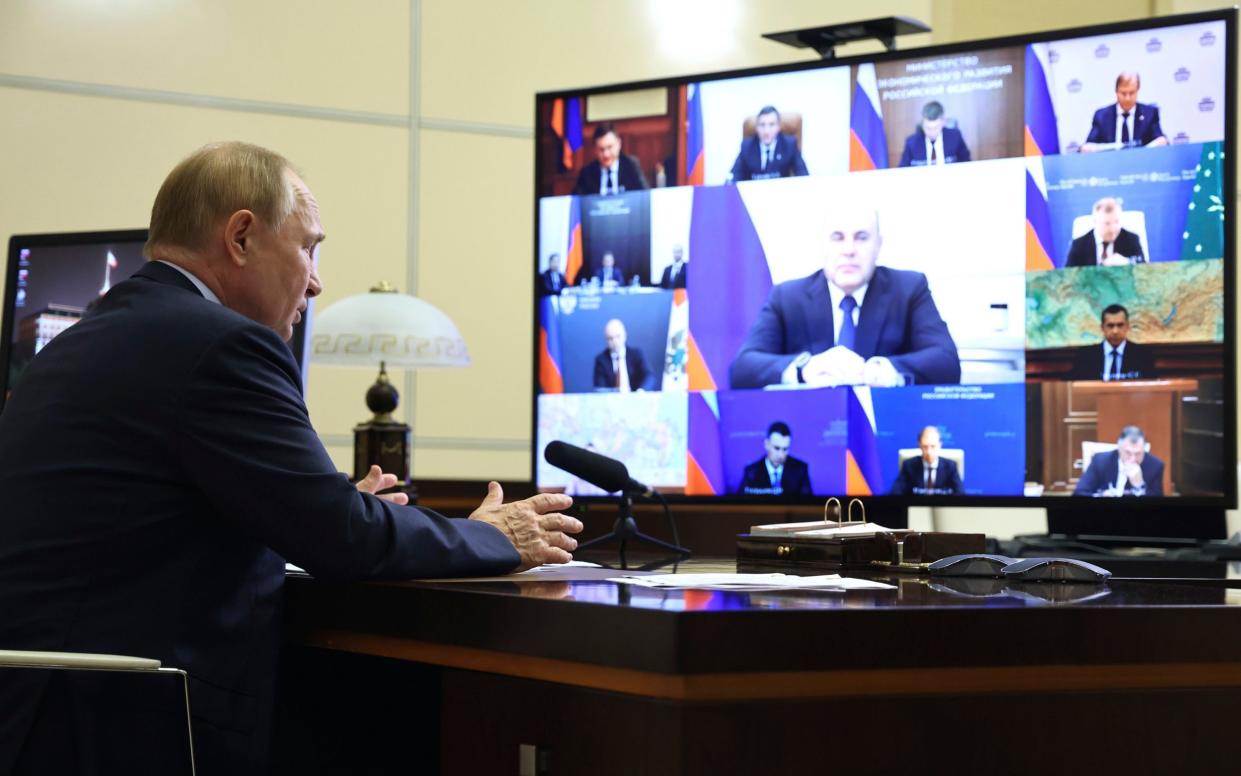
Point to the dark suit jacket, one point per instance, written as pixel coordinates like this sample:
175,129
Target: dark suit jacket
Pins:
898,320
639,373
911,479
667,282
157,468
1089,362
955,149
1145,125
794,480
551,283
786,163
1082,251
629,177
1104,468
614,274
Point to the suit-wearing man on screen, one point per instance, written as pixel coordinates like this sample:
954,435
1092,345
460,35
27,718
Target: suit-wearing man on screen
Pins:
770,153
929,474
551,280
612,172
1126,471
1127,122
157,468
1108,244
851,323
675,274
933,143
777,473
621,366
608,272
1116,358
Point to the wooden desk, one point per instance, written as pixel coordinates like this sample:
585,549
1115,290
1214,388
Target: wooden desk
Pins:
1144,678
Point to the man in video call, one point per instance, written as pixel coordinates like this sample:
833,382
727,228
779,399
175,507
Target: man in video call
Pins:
1108,244
551,280
933,143
851,323
777,473
612,172
675,273
1127,122
929,474
770,153
1126,471
1116,358
621,367
157,469
608,272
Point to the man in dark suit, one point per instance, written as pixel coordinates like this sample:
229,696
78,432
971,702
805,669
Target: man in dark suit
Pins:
635,376
929,474
1126,471
1108,244
612,172
851,323
1128,122
157,469
1116,358
608,272
551,280
769,153
777,473
933,143
675,273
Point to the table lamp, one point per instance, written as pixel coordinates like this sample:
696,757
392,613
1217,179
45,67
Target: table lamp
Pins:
386,328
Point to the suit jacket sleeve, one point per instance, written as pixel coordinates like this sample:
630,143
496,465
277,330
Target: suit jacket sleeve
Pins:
740,170
641,372
1130,245
1093,479
588,180
635,175
932,355
603,372
963,154
954,481
1082,252
907,153
244,438
762,357
1153,130
1097,131
1154,483
798,165
903,479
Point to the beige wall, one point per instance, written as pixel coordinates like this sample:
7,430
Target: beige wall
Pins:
412,122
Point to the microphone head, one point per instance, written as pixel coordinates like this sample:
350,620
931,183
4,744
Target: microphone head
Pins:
599,470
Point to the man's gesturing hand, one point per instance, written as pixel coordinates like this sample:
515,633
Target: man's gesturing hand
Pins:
376,480
534,525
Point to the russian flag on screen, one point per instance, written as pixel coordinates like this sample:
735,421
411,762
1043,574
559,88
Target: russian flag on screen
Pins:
1038,219
863,476
573,241
694,160
1041,136
868,147
551,378
567,124
731,294
705,464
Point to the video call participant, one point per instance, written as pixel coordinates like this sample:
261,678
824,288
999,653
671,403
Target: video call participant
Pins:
612,172
1108,244
777,473
675,273
1128,122
1126,471
851,323
1117,358
157,469
933,143
929,474
608,272
635,374
770,153
551,280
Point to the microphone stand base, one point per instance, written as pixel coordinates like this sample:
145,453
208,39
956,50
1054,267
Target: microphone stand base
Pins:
625,529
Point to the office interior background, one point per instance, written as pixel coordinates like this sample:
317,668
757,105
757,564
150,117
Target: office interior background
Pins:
412,122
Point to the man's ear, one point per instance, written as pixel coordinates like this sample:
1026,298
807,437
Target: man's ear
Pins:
238,231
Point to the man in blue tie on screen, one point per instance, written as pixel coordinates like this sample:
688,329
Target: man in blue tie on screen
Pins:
777,473
1116,358
933,143
851,323
1126,471
612,172
1126,124
770,153
929,474
551,280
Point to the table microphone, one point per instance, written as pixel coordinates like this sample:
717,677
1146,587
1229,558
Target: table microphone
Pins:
599,470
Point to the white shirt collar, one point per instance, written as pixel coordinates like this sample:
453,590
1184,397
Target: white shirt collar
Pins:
772,470
1107,348
837,294
207,293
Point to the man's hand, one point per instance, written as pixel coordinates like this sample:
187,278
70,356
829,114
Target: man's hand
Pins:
1157,142
1116,260
534,526
879,373
835,366
1133,472
376,480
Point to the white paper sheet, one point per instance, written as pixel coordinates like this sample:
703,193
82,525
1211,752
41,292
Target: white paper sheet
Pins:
829,582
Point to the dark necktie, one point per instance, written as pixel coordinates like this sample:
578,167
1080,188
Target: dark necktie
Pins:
930,478
616,367
932,152
848,330
1124,128
1113,368
775,478
1107,249
611,182
765,154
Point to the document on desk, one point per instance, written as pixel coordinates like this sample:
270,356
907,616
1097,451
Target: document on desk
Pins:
749,582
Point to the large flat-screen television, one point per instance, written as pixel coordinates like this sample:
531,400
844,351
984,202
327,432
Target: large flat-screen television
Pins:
988,273
53,279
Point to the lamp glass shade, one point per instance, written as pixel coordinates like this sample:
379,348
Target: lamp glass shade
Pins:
398,329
